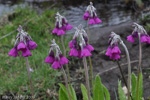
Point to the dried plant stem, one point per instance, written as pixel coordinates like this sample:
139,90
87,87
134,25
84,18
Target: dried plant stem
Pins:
139,66
66,82
90,61
87,77
129,69
29,75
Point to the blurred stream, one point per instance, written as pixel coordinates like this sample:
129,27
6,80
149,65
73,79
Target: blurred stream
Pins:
112,13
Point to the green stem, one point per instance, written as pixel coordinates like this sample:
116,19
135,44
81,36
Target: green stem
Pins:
66,82
62,41
139,67
90,61
67,68
29,75
87,77
129,69
121,71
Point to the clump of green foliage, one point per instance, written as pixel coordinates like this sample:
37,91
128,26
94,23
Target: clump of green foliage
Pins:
13,73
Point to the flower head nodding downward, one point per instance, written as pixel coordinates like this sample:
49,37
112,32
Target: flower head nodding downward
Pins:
56,59
113,50
23,43
139,31
91,15
61,25
79,45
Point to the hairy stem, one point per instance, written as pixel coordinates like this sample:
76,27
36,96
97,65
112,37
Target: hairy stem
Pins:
87,77
66,82
129,69
67,68
121,73
139,66
123,76
29,75
90,61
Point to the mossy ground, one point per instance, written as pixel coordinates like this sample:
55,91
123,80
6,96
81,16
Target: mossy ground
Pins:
13,73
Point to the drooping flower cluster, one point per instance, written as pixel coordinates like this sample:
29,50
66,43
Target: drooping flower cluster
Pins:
56,59
61,25
113,50
139,31
79,45
91,15
24,43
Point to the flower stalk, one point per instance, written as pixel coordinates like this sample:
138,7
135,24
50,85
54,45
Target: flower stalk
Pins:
86,77
90,61
29,76
66,82
129,69
67,68
113,52
139,66
121,71
64,49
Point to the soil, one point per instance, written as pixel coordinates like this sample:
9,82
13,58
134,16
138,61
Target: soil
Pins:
108,69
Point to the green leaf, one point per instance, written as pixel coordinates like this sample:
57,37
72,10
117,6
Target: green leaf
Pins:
72,93
63,95
107,95
84,92
140,86
98,93
121,92
134,85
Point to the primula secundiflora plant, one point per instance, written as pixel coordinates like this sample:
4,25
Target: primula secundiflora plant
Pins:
57,60
91,15
80,48
24,43
61,25
79,44
114,52
139,32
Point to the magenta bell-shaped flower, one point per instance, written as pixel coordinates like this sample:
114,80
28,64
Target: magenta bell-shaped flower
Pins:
25,44
62,25
21,46
26,52
13,52
85,52
57,59
31,45
63,60
81,48
139,31
113,52
50,58
73,52
91,15
56,64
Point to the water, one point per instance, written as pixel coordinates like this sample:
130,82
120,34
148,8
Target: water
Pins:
111,13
